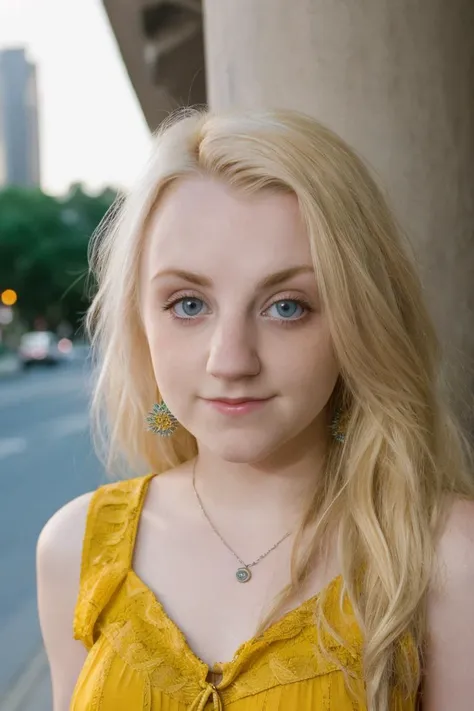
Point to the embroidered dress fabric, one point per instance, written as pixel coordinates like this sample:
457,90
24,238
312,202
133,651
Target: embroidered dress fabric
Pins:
139,660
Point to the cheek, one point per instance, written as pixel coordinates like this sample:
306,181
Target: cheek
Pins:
165,352
311,364
158,327
170,365
312,382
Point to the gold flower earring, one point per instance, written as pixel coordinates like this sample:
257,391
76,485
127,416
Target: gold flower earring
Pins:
161,420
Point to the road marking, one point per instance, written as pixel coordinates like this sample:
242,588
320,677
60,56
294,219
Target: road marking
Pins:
12,445
26,682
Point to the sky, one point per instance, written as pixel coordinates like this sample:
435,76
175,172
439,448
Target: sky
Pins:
91,126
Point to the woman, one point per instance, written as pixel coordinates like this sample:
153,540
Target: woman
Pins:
314,504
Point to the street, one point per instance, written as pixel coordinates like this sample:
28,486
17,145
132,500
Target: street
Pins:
46,459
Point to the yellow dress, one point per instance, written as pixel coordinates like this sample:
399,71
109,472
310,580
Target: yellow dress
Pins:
139,660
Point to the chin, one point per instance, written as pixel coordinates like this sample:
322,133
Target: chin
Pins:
242,449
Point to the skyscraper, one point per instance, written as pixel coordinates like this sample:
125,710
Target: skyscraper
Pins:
19,144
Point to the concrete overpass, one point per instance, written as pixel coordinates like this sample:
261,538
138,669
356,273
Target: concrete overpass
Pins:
162,45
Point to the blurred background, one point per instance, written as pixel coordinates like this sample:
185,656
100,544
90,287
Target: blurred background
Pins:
82,87
72,137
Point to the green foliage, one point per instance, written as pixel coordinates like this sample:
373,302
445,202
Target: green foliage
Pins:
43,251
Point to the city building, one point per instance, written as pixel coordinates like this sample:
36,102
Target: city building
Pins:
19,141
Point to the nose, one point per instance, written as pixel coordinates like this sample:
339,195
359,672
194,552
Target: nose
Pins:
233,352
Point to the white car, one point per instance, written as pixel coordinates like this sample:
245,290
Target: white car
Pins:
43,347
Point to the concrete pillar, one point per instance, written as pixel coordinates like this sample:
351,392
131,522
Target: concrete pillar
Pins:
395,79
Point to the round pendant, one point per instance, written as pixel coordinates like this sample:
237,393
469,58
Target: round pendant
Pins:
243,575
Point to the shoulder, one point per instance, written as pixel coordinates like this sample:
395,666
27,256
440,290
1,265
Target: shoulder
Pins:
60,541
69,541
450,593
58,563
58,556
449,682
455,550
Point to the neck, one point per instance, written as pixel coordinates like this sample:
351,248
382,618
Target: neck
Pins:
276,490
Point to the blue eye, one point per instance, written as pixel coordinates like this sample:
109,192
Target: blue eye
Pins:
191,307
288,309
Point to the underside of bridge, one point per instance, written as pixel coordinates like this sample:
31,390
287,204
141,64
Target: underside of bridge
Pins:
162,45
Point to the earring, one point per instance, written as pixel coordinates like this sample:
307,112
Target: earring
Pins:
337,426
161,420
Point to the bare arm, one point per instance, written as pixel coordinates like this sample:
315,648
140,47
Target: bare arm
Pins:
58,564
449,678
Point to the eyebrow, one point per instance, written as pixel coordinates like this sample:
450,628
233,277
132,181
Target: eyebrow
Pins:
268,281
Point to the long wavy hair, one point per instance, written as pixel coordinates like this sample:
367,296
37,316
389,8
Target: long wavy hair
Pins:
386,488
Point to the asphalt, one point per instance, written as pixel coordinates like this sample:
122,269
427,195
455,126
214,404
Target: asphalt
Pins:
46,459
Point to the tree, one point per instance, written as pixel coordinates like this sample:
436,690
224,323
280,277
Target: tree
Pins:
43,250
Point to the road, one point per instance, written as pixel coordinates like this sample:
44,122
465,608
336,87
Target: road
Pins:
46,459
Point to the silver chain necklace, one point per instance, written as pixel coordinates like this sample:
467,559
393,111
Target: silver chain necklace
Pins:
243,573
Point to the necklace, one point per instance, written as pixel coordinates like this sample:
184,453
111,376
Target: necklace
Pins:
243,574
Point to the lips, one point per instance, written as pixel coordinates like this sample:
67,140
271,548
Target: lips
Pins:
237,406
237,400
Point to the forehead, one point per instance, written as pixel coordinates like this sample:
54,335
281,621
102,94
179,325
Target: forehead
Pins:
205,225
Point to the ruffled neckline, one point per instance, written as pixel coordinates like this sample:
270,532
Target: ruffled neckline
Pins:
285,628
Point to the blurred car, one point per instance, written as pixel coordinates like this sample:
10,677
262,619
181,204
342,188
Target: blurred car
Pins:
44,347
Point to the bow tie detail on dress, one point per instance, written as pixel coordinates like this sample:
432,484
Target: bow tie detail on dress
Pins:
208,691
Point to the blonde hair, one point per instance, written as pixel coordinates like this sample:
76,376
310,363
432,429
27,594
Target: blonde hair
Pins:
386,488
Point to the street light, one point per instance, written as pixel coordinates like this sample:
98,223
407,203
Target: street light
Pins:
8,297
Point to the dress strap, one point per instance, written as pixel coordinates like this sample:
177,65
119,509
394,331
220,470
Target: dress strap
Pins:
107,553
